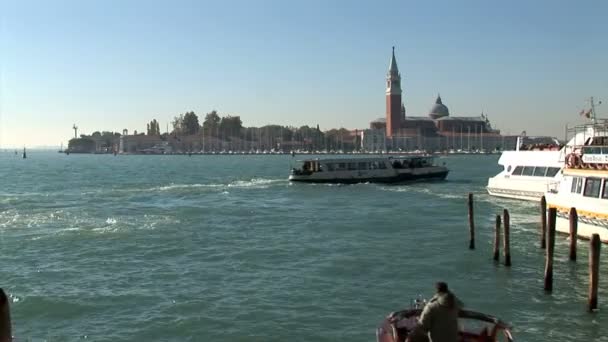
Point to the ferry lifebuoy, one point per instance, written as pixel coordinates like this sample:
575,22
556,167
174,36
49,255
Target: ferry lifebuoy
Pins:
573,161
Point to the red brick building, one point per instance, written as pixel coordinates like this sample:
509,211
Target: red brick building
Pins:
438,122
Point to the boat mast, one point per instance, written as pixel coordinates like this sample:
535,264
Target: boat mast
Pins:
593,110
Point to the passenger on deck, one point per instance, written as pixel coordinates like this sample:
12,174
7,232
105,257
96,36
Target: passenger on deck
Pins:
396,164
439,318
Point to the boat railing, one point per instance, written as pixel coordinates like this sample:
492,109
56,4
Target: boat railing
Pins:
553,187
587,157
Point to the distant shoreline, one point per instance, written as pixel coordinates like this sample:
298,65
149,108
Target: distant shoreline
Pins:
294,154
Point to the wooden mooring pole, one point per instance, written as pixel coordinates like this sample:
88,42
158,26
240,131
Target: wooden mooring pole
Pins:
573,218
5,319
507,240
550,247
497,239
471,223
543,222
594,269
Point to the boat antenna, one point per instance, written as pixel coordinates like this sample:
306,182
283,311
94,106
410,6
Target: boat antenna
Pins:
593,112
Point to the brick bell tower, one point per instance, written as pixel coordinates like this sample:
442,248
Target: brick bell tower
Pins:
393,98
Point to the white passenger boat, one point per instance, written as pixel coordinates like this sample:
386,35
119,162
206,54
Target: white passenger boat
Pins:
584,184
390,169
528,170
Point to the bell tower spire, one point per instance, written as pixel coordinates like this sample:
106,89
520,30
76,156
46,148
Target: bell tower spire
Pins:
393,98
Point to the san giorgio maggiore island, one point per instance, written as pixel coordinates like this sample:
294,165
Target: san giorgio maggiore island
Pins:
396,132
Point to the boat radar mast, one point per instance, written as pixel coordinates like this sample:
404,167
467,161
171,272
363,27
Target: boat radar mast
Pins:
593,114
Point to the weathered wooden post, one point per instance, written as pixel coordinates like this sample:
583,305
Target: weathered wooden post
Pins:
550,248
543,222
573,217
507,240
497,239
594,269
5,319
471,223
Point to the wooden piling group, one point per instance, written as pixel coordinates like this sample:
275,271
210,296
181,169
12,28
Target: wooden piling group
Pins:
548,222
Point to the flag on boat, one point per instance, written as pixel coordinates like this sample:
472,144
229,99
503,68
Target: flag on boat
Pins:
585,113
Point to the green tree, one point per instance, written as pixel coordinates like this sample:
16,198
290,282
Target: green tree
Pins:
177,124
211,123
153,128
190,124
82,145
231,126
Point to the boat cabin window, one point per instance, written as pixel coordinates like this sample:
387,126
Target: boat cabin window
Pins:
352,166
528,171
599,141
592,150
330,166
363,165
592,187
605,191
341,166
518,170
540,171
552,171
577,185
307,166
381,165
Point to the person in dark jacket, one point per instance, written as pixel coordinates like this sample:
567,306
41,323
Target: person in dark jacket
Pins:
439,318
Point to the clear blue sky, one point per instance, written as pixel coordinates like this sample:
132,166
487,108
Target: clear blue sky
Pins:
109,65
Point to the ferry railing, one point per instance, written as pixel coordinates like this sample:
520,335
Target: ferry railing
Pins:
553,187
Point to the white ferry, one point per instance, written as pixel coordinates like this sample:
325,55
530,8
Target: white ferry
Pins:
584,184
389,169
528,170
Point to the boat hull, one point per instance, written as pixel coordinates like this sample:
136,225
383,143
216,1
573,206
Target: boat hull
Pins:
396,179
398,326
526,195
586,226
529,187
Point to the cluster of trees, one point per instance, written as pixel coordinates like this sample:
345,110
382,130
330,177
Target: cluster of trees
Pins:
88,144
230,129
153,128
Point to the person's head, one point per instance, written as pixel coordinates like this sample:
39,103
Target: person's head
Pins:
441,287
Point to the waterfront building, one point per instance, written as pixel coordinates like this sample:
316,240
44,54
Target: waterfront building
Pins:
136,143
438,130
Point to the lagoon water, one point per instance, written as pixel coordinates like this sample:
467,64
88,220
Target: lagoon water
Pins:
223,248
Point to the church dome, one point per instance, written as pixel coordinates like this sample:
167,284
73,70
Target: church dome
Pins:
439,110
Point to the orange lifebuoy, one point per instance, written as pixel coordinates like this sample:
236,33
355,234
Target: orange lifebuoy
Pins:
574,161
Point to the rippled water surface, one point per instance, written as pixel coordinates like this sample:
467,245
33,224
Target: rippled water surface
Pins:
223,248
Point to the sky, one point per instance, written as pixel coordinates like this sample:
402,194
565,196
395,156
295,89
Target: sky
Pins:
114,64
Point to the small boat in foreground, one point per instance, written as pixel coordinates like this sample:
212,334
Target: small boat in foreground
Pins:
389,169
474,327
